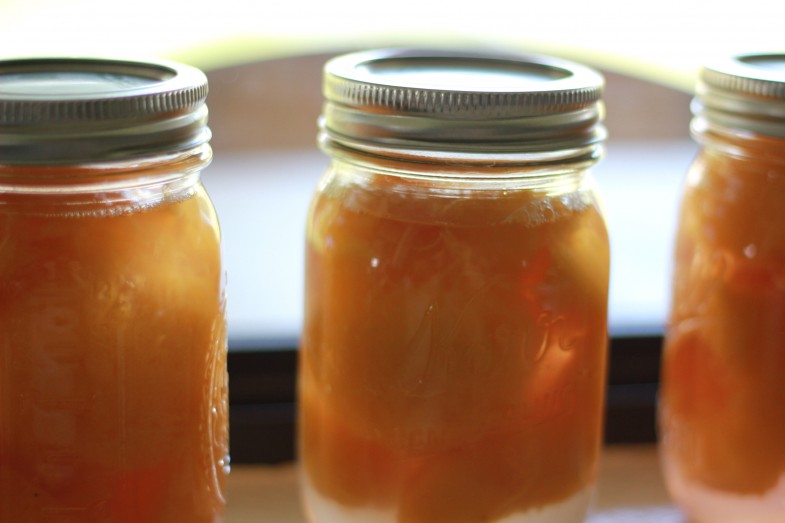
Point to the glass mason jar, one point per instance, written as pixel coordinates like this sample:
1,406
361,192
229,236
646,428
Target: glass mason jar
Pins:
113,385
722,414
453,358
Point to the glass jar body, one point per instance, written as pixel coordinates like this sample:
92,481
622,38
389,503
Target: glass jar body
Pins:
453,358
113,386
722,411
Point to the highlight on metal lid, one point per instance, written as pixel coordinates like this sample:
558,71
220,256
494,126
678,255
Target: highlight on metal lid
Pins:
745,92
66,110
461,101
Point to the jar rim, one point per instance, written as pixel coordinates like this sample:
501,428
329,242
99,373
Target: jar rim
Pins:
745,91
67,110
462,101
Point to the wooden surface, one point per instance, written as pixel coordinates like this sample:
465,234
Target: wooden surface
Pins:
630,490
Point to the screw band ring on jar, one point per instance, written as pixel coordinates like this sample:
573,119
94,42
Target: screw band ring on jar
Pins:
100,109
745,93
407,99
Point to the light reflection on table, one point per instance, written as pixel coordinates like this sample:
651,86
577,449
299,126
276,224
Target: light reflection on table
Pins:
630,490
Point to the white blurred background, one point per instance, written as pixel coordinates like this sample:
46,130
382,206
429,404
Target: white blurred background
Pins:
664,41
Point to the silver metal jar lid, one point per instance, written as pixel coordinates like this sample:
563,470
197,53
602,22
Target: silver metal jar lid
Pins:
75,110
745,92
461,102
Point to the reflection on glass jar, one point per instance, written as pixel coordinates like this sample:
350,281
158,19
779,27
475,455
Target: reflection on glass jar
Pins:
113,398
453,357
722,413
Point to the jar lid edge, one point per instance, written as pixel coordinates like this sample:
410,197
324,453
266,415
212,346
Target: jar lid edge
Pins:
105,107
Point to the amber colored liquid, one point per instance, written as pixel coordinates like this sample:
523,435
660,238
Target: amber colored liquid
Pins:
112,362
723,398
453,359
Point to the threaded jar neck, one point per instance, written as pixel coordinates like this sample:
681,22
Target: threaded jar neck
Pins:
742,96
432,107
60,111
